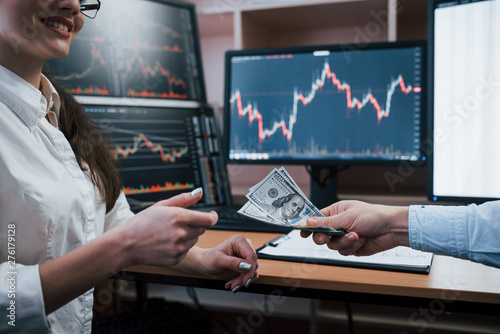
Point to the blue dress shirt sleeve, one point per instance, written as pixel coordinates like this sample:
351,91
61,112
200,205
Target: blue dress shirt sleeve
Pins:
468,232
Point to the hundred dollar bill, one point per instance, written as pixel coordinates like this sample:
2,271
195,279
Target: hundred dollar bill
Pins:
287,176
283,172
282,200
277,199
253,211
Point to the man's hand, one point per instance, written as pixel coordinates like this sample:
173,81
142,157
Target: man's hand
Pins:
372,228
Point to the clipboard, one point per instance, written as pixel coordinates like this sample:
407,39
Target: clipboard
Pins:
292,247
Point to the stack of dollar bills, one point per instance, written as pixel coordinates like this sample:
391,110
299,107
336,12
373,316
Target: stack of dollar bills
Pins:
278,200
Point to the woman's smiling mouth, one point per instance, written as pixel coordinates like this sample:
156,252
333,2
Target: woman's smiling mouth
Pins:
59,24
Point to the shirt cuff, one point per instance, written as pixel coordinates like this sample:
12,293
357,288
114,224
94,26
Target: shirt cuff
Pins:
438,229
21,300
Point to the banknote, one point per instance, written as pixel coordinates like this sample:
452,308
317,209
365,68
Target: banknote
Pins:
287,176
253,211
278,200
282,200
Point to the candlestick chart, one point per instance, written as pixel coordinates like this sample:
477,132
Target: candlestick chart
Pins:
304,104
123,55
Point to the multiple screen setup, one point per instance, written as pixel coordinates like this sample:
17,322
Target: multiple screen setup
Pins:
137,70
324,106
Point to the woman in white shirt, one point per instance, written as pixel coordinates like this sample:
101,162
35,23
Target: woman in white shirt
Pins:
65,225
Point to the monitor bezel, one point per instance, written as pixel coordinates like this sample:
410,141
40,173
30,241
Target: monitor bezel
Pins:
432,5
330,47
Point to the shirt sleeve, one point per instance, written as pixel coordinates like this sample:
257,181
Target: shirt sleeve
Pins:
468,232
21,300
119,214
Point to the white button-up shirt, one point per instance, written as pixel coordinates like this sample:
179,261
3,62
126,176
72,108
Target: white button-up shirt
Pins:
48,207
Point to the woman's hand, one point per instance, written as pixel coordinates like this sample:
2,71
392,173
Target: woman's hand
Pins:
372,228
233,260
163,233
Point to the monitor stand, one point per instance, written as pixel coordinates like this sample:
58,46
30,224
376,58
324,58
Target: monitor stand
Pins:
323,185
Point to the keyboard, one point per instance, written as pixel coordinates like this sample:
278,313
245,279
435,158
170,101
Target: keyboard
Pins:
230,219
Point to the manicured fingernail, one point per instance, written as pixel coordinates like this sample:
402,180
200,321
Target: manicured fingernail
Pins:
351,237
312,222
196,191
236,289
228,287
248,283
244,266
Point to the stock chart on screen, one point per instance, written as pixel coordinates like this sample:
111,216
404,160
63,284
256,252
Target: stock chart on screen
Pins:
162,152
318,104
122,54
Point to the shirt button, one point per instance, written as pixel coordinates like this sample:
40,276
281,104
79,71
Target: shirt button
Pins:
32,121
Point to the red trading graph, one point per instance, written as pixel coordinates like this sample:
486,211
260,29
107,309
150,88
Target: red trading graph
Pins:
91,90
168,186
141,141
96,65
164,95
174,48
327,74
147,70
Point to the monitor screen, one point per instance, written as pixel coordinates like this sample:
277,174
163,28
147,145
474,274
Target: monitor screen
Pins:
136,49
162,152
464,104
136,69
325,105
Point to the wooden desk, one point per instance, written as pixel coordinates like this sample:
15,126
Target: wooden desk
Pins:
457,285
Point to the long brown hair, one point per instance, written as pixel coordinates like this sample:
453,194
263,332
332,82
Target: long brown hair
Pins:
91,145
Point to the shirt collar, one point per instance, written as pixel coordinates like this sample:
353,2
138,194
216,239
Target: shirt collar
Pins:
25,100
54,102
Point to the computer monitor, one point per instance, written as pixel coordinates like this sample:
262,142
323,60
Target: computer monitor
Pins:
162,152
464,101
326,106
146,49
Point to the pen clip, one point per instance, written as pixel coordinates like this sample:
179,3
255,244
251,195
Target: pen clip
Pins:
276,241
